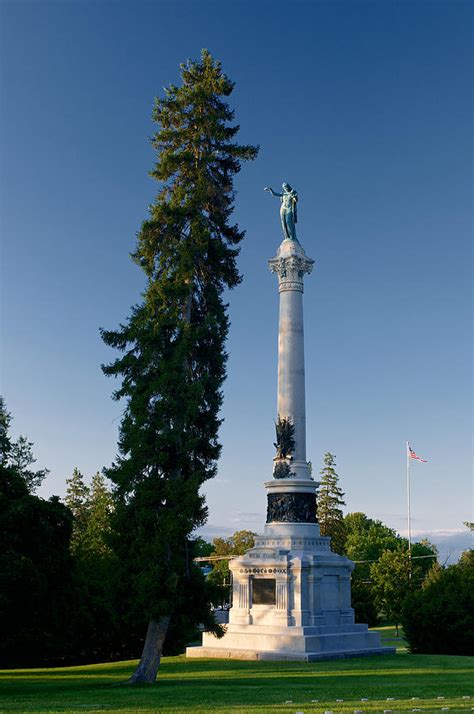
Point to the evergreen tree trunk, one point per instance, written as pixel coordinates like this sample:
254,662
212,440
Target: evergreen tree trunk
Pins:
149,663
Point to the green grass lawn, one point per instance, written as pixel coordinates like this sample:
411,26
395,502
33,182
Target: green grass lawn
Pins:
211,686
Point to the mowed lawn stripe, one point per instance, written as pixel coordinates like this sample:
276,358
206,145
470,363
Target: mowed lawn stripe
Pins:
212,686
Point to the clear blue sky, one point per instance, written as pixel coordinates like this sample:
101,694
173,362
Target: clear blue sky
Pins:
365,108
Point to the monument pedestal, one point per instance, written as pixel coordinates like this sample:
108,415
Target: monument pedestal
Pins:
291,597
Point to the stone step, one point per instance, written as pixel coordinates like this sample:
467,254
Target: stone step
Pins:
282,656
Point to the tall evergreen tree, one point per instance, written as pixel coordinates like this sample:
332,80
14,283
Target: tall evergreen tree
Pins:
99,512
173,345
21,458
329,499
5,442
18,454
77,497
100,626
92,508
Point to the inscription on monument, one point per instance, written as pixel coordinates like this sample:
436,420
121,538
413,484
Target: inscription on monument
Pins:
264,591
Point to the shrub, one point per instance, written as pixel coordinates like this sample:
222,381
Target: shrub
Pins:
439,618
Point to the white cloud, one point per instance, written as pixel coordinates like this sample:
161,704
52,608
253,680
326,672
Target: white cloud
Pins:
209,531
451,542
246,516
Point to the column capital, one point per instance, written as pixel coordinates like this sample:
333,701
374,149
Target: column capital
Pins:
290,265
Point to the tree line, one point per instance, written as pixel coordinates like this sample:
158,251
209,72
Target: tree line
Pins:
63,599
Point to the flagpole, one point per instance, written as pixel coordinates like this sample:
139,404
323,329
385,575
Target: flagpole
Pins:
408,504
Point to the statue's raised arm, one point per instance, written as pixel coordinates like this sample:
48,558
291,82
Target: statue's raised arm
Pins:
268,188
288,215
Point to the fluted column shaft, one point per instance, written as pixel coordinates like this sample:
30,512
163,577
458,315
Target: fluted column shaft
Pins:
290,265
291,377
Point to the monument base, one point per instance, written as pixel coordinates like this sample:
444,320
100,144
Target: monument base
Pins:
299,644
291,601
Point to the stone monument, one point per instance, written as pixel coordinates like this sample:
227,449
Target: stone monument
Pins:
291,595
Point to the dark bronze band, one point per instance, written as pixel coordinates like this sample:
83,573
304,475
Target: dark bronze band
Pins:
291,508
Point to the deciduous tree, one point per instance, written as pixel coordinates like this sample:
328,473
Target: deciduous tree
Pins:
237,544
36,591
398,572
366,540
391,582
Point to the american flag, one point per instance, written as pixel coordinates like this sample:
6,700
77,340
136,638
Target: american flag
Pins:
412,455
